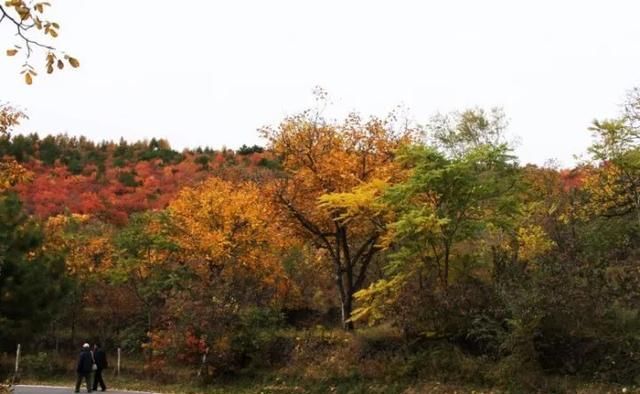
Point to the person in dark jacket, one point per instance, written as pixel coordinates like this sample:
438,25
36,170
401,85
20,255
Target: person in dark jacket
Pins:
100,358
85,367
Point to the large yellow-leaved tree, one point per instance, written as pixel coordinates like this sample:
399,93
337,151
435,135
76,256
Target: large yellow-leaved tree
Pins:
332,175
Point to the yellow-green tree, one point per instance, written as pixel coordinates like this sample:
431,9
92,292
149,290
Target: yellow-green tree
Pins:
614,182
445,213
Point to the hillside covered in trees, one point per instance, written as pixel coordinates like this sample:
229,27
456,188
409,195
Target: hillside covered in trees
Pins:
113,180
358,255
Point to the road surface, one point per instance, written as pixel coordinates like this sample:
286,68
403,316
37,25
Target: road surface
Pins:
28,389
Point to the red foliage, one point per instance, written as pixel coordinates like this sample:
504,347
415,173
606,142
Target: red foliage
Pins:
55,190
572,179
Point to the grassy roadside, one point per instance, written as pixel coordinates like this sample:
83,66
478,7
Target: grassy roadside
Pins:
275,385
325,361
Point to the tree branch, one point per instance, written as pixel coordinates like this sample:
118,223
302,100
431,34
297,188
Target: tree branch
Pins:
21,28
362,274
308,225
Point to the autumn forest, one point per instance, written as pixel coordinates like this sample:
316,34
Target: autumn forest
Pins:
359,253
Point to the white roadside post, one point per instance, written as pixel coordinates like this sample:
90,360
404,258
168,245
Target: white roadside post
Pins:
17,359
118,365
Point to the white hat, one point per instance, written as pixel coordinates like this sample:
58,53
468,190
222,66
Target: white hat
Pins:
86,345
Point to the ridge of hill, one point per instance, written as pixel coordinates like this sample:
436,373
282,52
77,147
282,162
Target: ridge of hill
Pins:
112,180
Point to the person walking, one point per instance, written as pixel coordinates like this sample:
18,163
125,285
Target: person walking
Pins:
84,367
100,359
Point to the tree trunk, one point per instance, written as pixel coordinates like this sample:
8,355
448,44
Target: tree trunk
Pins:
347,306
446,266
345,290
73,323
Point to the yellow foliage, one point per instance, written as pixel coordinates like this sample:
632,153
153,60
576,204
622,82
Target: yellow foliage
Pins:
608,187
11,172
363,199
88,249
533,242
226,229
376,298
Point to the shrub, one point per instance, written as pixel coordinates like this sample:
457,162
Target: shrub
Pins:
41,365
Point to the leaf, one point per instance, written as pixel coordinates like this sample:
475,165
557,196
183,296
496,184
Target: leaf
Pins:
60,64
74,62
53,33
49,69
11,52
28,79
24,13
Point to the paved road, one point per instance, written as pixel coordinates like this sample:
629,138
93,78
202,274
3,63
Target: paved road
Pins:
60,390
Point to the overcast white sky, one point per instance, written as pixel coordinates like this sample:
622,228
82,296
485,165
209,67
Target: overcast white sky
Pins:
205,72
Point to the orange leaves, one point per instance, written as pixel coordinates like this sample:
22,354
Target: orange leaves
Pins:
330,158
175,344
225,228
323,158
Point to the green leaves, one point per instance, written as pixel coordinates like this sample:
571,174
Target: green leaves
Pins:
457,133
32,283
442,214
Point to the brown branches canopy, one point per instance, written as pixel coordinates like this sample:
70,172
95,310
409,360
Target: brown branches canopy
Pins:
33,33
